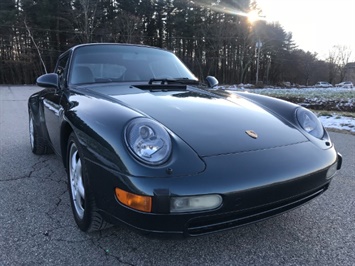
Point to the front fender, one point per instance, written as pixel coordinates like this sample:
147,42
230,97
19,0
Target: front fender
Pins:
285,111
99,125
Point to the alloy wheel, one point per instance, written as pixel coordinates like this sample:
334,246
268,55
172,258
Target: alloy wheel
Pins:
76,181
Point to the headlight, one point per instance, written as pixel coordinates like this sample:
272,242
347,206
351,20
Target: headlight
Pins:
310,123
148,141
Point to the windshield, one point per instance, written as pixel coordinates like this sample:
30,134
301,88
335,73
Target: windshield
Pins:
125,63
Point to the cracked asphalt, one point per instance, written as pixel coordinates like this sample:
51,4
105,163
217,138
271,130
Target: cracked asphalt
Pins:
37,227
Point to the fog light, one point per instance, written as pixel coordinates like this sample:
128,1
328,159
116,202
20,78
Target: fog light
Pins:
331,171
138,202
195,203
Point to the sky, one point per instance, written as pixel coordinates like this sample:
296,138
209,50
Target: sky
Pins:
316,25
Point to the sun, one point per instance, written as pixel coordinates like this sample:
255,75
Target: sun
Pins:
253,16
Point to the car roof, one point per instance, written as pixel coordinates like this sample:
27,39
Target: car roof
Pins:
117,44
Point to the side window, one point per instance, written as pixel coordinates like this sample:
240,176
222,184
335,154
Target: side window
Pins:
61,70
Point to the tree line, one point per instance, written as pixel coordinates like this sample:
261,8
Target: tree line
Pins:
212,37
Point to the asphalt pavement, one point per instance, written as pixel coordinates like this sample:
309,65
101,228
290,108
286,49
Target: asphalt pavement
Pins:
37,226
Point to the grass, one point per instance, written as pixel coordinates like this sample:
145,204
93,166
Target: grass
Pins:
336,114
333,99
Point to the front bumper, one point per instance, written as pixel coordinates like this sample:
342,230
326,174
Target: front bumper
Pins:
254,186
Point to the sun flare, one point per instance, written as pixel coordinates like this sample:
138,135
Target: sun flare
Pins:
253,16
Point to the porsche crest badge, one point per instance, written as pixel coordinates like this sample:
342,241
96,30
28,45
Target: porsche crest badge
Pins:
252,134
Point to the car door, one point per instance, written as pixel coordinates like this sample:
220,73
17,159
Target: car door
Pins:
53,110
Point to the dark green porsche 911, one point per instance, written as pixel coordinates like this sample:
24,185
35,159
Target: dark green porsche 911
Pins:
145,144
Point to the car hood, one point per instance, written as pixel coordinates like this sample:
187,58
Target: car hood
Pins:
210,124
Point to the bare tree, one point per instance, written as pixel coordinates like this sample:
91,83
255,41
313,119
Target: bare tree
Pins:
342,55
85,17
128,25
35,44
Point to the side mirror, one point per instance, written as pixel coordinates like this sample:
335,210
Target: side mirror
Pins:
211,81
50,80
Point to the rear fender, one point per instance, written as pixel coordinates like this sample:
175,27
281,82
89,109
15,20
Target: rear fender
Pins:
36,108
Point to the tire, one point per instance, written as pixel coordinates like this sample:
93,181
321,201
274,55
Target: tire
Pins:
81,197
38,143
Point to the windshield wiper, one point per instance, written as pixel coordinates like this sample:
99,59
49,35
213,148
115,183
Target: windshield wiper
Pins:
174,81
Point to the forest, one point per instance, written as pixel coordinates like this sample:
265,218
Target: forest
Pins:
212,37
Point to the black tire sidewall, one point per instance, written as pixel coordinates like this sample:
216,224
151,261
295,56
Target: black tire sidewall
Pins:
36,148
40,144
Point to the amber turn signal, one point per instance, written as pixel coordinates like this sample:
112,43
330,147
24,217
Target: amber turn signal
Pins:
137,202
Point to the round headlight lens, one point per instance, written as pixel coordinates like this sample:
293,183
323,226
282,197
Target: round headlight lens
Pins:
310,123
148,141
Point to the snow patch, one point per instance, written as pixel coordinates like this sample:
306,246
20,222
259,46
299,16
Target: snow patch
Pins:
338,122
